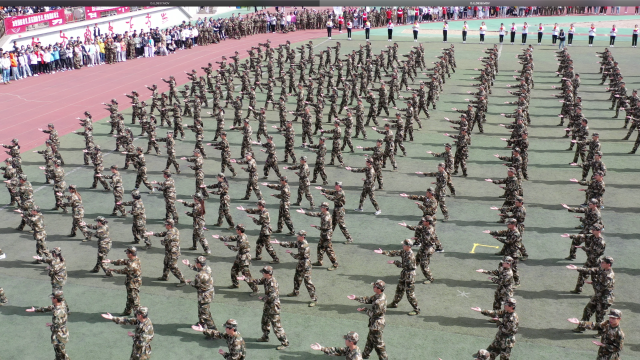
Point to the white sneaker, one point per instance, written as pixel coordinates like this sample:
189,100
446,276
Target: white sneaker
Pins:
378,212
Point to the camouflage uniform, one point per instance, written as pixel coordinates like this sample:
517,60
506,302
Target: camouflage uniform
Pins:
225,155
133,271
265,233
171,244
512,240
348,128
252,183
406,283
504,279
223,211
168,187
118,191
197,214
462,153
448,166
289,141
235,343
171,152
603,284
283,212
318,169
376,158
142,337
303,182
272,159
376,324
242,262
505,338
326,232
611,337
271,309
104,245
303,268
336,151
199,172
203,282
442,178
339,200
59,331
368,187
139,221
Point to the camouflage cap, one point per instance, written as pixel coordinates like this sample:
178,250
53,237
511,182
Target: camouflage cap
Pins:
519,198
516,149
352,336
114,167
596,227
58,295
380,284
427,218
595,134
369,161
303,158
198,196
284,178
201,260
407,242
598,153
336,122
170,222
131,250
261,203
51,125
512,221
598,173
267,270
447,145
8,160
35,208
223,133
240,227
220,175
101,219
507,259
302,233
593,201
135,193
324,205
510,302
139,149
56,250
608,260
615,313
339,183
430,190
15,140
72,187
322,138
248,154
398,114
441,165
144,311
231,324
482,354
511,170
22,177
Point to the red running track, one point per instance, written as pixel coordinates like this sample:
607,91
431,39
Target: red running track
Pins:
60,98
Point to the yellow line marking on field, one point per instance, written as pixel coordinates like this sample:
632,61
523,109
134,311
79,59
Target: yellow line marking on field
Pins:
473,251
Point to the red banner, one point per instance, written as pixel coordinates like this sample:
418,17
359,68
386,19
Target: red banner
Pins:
18,24
94,12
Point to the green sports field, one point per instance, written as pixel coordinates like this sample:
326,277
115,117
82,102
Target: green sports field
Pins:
446,328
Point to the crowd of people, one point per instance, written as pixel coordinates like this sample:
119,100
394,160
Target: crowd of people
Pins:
317,78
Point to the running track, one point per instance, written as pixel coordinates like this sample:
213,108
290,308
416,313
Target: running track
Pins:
60,98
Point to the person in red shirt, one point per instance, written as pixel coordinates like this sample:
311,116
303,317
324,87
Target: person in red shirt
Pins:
389,14
399,12
416,15
340,22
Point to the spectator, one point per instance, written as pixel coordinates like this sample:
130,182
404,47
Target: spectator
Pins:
33,63
612,36
5,65
23,63
561,37
13,57
416,28
390,30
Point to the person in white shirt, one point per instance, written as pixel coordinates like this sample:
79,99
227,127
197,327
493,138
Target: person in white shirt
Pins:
149,49
525,31
483,30
465,28
349,27
570,33
540,33
184,34
634,37
194,34
390,30
592,34
329,27
416,28
367,29
5,65
612,36
445,30
514,28
554,34
501,32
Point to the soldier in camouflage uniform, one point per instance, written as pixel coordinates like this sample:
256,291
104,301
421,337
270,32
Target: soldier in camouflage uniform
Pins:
462,151
504,279
376,319
104,242
272,159
427,239
512,240
338,197
203,282
225,153
139,218
197,166
604,280
511,188
141,165
594,246
448,165
223,191
234,340
265,230
271,309
591,217
143,335
406,283
611,336
3,298
171,151
351,351
197,214
303,268
118,190
133,272
441,182
252,169
168,188
58,325
376,157
242,263
318,169
171,244
368,186
336,151
10,175
98,168
507,321
303,181
59,185
283,212
326,232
